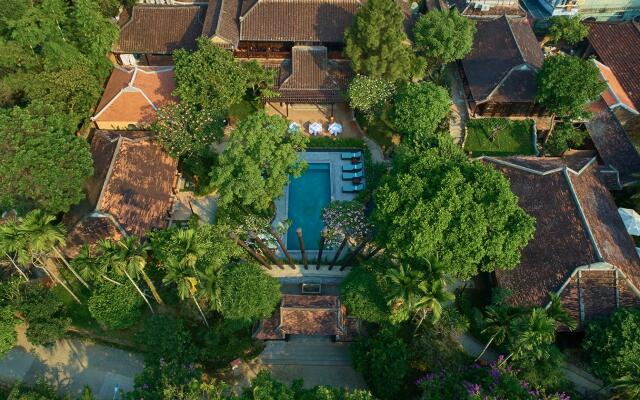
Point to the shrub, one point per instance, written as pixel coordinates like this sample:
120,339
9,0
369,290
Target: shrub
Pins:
563,137
116,307
248,293
362,295
45,314
332,142
165,337
8,335
613,344
382,361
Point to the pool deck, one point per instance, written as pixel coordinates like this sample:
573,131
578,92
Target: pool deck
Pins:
336,182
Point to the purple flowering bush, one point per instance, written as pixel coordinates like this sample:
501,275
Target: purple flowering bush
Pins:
476,382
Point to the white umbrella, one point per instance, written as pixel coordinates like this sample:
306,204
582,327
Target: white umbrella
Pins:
631,220
294,127
335,128
315,128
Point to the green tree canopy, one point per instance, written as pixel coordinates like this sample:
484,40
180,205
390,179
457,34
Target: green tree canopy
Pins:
362,292
115,306
437,203
40,161
419,108
566,84
368,94
568,29
256,164
248,293
444,36
377,44
211,79
45,313
564,137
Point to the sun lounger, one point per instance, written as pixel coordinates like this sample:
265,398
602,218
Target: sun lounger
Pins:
352,167
350,155
347,176
352,188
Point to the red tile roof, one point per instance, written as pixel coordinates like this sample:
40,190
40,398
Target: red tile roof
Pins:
577,225
614,96
90,231
503,47
160,29
617,45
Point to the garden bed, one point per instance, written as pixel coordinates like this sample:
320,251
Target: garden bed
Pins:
499,137
377,130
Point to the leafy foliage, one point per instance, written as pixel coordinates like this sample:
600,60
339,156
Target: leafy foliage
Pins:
419,108
184,131
345,219
45,313
382,361
362,293
377,44
613,345
564,137
566,84
436,202
248,293
116,307
568,29
444,36
40,161
256,164
8,334
368,94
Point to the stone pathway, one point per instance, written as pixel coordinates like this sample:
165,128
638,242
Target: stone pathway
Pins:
459,115
377,156
71,364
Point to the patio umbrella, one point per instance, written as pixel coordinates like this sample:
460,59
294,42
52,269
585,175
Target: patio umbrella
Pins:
294,127
315,128
335,128
631,220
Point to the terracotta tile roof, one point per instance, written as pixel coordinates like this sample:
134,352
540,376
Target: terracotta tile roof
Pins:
617,45
222,21
614,96
134,94
613,144
501,47
577,225
89,231
311,76
160,29
138,189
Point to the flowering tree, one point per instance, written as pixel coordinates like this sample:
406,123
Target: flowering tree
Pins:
345,219
182,130
368,94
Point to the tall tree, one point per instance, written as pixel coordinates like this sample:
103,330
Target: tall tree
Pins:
40,161
444,36
94,34
568,29
566,84
498,324
437,202
419,108
377,44
533,337
255,166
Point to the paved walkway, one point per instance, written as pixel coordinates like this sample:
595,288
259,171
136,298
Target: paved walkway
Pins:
459,115
70,364
377,156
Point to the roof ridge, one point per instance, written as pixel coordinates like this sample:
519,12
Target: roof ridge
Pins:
515,39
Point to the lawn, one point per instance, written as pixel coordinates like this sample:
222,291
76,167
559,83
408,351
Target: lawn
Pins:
499,137
377,130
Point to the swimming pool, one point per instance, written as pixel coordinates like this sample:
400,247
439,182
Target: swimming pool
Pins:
308,195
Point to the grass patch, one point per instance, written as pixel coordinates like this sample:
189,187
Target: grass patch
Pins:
332,142
377,130
499,137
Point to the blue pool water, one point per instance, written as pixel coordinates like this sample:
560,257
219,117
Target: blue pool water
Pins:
308,195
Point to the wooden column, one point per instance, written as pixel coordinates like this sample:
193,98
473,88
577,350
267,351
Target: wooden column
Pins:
284,248
304,254
335,258
353,254
249,250
266,250
323,237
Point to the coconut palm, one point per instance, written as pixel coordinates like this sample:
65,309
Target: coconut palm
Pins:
121,260
186,281
44,236
211,286
90,267
556,312
191,247
533,335
498,323
627,387
11,244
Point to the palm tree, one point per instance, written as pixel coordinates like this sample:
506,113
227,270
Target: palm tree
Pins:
627,387
115,257
11,244
191,246
211,283
556,312
43,236
434,295
498,323
533,335
90,267
183,277
404,290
